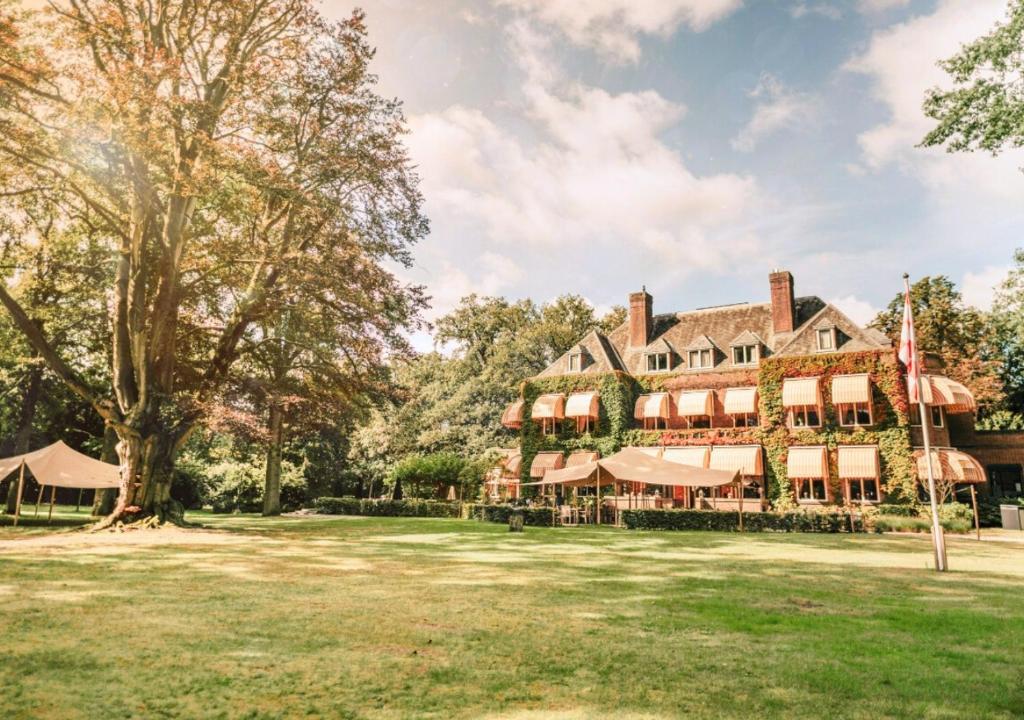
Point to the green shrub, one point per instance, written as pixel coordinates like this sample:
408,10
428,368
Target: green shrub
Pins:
955,513
900,510
989,513
897,523
386,508
825,521
238,486
537,517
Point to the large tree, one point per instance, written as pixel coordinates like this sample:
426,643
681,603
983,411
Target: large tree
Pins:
227,152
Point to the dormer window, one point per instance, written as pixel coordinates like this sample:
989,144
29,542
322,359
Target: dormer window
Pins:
576,362
745,355
826,339
657,362
700,359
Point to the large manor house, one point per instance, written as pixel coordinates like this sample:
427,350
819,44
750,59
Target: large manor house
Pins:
811,408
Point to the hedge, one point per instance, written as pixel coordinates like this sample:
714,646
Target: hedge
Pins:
387,508
822,522
535,516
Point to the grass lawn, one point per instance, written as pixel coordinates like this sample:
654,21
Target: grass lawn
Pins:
403,618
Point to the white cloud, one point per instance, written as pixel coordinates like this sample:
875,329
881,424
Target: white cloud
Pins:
778,108
860,311
612,27
979,288
901,64
803,9
877,6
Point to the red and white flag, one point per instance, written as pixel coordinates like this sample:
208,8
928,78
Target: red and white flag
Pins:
908,349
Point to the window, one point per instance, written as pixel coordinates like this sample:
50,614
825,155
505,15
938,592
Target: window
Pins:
915,415
937,415
826,339
744,355
657,362
576,362
805,416
855,414
811,489
700,359
746,420
1006,480
699,421
547,426
863,490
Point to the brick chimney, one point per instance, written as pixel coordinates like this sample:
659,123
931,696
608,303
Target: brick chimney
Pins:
641,318
783,305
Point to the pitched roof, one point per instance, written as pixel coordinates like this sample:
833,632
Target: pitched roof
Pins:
722,327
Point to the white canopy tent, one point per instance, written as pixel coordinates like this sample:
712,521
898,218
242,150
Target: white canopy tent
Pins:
632,465
56,466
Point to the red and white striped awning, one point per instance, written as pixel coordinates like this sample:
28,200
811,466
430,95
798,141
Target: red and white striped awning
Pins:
582,405
544,461
744,459
740,401
693,403
693,455
654,405
800,392
858,462
549,407
951,465
851,389
807,462
512,418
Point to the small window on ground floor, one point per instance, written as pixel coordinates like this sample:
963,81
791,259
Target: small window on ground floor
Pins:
864,490
812,489
1006,480
855,414
698,421
753,491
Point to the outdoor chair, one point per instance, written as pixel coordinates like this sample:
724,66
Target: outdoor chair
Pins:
566,515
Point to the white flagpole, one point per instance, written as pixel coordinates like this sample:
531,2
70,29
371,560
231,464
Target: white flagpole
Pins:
938,539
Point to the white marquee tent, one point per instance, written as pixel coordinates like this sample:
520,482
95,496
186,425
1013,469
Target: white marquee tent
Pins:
58,465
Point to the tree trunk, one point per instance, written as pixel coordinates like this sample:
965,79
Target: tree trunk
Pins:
103,502
272,487
26,417
147,470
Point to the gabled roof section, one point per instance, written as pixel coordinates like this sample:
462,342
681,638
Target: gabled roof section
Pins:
804,342
595,347
746,337
701,342
661,345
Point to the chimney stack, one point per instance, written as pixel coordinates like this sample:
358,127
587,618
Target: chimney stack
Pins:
641,318
783,303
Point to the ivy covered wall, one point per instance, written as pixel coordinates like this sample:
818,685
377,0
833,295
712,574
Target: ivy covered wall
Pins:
616,427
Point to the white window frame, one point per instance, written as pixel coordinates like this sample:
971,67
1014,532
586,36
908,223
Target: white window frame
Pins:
799,482
751,351
860,482
936,411
699,354
831,334
665,355
842,407
803,410
575,362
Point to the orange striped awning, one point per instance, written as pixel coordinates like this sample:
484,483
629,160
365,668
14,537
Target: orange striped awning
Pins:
740,401
654,405
581,457
858,462
951,465
958,398
744,459
807,462
582,405
691,403
693,455
512,418
800,392
549,407
849,389
513,465
542,462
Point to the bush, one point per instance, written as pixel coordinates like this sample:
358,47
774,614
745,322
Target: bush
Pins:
989,513
535,516
386,508
894,510
238,486
827,521
897,523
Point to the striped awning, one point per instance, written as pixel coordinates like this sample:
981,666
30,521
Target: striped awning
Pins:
512,418
581,457
693,455
849,389
513,465
740,401
691,403
582,405
655,405
958,398
549,407
800,392
744,459
858,462
807,462
951,465
542,462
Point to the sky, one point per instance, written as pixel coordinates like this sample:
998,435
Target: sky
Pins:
690,146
